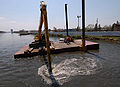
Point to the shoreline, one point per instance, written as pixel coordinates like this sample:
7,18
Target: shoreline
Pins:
106,38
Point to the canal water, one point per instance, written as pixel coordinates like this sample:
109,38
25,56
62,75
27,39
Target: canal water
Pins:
97,33
95,68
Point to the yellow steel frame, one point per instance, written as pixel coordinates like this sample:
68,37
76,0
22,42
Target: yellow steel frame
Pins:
44,19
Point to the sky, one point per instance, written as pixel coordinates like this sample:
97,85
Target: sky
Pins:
25,14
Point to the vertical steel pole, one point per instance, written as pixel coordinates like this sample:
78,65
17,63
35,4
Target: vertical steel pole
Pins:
83,25
66,19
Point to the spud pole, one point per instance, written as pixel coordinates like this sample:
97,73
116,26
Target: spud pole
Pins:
83,25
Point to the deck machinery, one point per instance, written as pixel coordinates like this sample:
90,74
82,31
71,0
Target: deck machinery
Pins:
42,45
43,40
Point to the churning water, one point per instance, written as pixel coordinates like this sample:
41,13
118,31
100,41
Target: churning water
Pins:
68,68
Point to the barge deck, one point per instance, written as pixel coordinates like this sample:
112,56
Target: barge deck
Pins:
56,47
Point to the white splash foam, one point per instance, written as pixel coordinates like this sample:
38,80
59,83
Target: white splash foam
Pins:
68,68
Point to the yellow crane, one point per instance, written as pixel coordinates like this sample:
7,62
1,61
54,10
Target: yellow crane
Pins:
43,18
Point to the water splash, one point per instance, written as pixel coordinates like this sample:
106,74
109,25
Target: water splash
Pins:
65,70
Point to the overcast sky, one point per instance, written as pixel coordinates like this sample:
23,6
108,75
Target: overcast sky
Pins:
25,14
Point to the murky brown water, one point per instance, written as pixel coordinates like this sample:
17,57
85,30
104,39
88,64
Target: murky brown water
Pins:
96,68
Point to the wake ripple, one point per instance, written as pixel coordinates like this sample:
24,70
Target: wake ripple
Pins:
65,70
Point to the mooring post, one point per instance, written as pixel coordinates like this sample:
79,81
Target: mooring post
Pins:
83,25
66,19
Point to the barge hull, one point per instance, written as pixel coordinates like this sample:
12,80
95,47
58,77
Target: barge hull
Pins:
56,47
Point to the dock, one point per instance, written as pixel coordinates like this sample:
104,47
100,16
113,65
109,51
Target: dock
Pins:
56,47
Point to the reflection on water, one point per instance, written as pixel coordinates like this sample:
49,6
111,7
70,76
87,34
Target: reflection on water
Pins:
96,68
68,68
